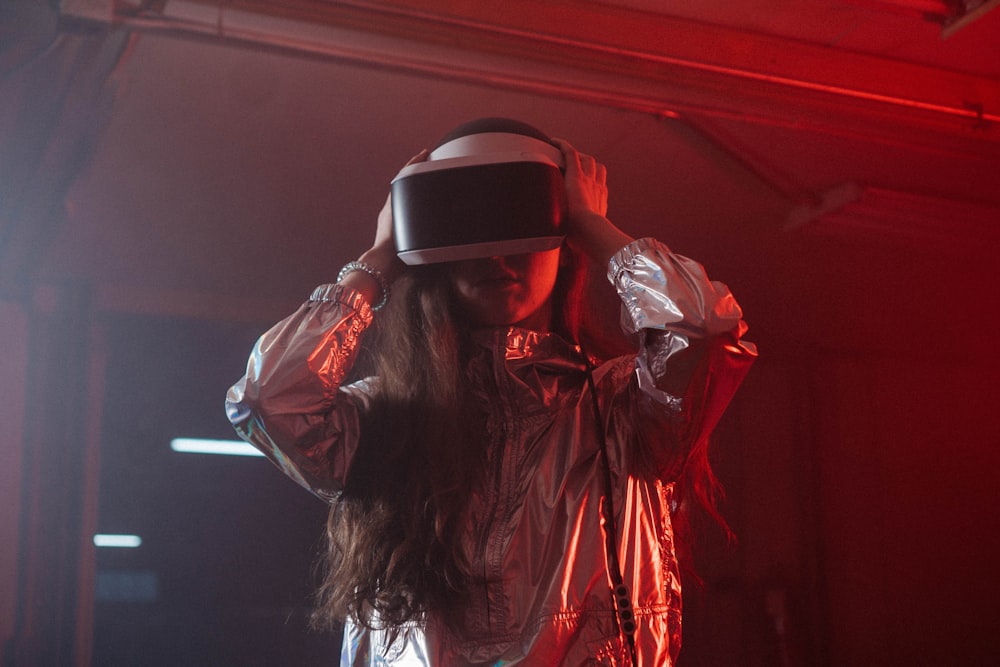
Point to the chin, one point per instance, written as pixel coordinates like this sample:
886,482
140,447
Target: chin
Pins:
503,313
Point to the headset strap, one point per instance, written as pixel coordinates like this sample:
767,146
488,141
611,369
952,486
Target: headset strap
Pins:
620,593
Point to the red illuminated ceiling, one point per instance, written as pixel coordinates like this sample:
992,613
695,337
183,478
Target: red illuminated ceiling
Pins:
612,54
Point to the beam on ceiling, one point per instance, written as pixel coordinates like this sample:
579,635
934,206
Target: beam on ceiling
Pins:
617,57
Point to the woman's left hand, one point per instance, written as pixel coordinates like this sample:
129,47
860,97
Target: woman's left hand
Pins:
586,182
587,225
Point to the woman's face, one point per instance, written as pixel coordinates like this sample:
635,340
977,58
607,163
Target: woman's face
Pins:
508,290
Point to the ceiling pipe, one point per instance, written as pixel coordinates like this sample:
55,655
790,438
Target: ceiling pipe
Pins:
966,12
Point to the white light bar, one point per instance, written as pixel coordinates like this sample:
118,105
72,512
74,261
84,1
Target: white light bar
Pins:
121,541
203,446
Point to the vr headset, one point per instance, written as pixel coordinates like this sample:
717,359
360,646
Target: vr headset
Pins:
491,187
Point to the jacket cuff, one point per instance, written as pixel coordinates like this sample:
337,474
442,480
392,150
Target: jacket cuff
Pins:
352,298
626,256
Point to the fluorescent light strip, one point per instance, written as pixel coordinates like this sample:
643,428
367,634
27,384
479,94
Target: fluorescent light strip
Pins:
121,541
202,446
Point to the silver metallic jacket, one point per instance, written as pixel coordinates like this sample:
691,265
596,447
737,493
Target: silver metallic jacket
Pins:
535,526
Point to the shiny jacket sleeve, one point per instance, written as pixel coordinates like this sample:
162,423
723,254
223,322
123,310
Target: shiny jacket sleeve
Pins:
692,357
292,404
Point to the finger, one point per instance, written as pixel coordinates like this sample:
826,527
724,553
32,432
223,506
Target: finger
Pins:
602,174
419,157
571,158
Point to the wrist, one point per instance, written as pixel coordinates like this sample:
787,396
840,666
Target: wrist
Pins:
385,261
597,237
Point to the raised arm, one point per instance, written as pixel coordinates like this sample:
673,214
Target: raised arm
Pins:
692,357
292,404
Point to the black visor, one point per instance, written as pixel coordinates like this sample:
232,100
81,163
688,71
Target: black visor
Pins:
491,187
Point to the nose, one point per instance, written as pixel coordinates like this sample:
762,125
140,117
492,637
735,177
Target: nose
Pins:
500,261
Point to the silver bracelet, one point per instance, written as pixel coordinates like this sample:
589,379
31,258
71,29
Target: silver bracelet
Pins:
376,275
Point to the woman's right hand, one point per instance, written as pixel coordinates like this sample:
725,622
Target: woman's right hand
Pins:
382,254
385,241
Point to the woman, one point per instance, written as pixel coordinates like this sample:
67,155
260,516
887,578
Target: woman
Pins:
497,497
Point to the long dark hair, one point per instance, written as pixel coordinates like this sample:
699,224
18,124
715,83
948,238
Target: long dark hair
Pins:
393,533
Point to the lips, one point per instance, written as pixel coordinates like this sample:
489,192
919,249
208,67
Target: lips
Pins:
497,286
499,279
